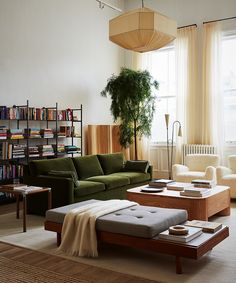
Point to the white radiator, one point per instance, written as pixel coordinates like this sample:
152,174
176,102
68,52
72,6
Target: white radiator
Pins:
197,149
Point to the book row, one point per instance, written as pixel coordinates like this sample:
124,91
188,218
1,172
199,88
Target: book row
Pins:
11,171
64,131
33,113
16,151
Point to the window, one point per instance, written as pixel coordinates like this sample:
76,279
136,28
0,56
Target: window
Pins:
162,68
229,86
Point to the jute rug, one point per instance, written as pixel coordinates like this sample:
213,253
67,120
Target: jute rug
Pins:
21,265
217,266
13,271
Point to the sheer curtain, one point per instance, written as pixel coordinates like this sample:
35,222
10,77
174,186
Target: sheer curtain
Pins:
212,100
186,81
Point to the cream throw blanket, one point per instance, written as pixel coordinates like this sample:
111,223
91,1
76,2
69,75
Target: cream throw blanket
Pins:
79,231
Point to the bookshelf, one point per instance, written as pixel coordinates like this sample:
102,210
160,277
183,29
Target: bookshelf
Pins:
28,133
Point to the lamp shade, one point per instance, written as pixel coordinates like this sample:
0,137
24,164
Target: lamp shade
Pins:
142,30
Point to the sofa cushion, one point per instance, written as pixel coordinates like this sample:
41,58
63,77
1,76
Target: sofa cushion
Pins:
134,177
111,181
87,166
42,167
87,188
66,174
111,163
136,166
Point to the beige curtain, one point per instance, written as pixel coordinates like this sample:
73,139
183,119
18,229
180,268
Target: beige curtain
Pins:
186,78
212,114
139,62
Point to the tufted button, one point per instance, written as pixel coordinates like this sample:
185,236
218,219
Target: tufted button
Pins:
152,211
117,214
139,216
133,209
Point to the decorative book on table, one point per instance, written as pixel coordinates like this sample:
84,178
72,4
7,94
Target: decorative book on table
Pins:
199,183
26,188
193,232
208,227
159,183
195,192
178,186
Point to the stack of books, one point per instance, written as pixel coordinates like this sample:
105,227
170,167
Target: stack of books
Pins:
46,150
47,133
66,131
178,186
60,148
71,149
33,133
16,134
33,151
18,151
159,183
3,133
193,232
198,183
208,227
195,192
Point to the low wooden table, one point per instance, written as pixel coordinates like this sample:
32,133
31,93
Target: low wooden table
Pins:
201,208
10,190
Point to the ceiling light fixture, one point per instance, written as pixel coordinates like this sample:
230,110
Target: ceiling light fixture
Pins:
142,30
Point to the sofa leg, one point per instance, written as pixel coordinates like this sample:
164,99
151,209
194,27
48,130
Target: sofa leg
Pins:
58,239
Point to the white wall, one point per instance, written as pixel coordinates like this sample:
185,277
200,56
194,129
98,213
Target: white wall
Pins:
57,51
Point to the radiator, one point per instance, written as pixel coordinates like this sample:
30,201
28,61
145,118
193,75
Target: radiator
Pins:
197,149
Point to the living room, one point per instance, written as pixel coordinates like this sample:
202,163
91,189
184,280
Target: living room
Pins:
57,51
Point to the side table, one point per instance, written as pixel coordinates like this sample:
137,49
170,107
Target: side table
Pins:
9,188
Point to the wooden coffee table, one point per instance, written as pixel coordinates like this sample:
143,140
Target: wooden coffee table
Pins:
10,190
201,208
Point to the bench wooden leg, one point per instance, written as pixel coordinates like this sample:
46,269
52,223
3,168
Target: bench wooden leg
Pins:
178,265
58,239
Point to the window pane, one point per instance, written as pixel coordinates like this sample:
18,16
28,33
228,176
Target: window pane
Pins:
162,68
229,86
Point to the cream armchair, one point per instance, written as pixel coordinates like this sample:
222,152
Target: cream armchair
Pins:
226,176
198,166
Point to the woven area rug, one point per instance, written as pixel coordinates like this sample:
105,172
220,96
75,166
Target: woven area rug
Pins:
217,266
12,271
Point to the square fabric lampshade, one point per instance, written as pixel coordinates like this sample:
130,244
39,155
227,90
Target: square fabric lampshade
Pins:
142,30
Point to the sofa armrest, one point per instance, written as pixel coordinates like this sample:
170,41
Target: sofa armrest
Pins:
62,188
222,171
150,171
210,173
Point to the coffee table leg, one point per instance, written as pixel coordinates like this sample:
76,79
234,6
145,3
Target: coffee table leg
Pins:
178,265
49,199
17,207
24,212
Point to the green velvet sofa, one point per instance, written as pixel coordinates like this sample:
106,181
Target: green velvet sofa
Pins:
75,179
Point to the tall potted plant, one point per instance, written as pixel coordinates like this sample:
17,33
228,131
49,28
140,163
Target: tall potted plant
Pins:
132,104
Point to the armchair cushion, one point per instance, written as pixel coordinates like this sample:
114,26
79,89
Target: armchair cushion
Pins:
199,162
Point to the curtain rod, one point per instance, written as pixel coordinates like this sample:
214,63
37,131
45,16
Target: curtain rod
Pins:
192,25
220,20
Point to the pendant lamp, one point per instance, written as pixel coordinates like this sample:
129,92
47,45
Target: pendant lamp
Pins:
142,30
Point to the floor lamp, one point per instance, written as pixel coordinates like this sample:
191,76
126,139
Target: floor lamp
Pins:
170,161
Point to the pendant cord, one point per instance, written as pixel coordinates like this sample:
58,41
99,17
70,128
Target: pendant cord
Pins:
142,4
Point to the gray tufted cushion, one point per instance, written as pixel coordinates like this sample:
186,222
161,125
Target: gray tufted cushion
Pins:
138,221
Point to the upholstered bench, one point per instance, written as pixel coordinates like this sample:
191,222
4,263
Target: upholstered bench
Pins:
138,227
138,221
